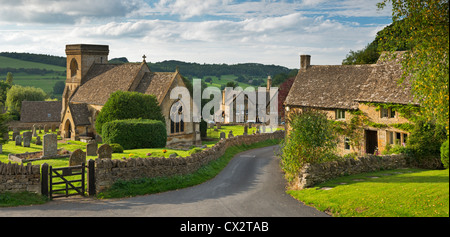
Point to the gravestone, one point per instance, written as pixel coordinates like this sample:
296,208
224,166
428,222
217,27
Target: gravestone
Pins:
250,125
91,149
50,145
219,126
14,135
45,128
230,134
245,130
104,152
18,140
34,130
77,157
40,127
53,127
222,135
27,134
26,141
98,138
38,140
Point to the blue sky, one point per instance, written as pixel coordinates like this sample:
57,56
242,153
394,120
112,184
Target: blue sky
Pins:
211,31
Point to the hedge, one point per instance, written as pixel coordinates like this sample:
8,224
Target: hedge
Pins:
135,133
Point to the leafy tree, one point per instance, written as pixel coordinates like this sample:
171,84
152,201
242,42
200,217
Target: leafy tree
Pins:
3,127
4,87
311,139
9,78
129,105
424,26
58,88
16,94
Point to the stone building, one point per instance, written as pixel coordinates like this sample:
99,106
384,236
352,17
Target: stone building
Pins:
346,91
91,80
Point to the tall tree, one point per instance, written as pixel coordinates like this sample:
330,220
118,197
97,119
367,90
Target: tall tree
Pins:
424,25
9,78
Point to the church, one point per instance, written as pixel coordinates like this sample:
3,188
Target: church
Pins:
91,80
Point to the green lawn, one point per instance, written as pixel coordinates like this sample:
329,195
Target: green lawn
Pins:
394,193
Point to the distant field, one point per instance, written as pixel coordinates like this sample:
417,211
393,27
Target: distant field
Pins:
46,81
223,80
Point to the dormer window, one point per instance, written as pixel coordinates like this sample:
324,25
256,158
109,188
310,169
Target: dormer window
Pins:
387,113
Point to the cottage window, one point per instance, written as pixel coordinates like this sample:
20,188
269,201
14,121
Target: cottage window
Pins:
384,113
347,143
391,113
390,136
340,114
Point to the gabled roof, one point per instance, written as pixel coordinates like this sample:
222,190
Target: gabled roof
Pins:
383,84
104,79
40,111
156,83
80,114
333,87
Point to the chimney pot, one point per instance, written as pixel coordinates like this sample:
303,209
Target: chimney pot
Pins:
305,61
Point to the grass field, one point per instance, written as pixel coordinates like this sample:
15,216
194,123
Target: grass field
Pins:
389,193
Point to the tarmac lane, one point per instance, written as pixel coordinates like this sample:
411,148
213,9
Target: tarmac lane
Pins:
251,185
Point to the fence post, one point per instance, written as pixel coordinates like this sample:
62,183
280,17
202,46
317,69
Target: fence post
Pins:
44,179
91,177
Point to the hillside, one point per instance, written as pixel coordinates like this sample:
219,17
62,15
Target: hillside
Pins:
45,71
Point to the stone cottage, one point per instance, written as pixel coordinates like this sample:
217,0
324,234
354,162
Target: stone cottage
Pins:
346,91
91,80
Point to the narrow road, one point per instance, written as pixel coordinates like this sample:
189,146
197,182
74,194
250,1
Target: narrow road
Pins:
252,185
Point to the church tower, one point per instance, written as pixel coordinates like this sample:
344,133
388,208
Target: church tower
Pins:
80,58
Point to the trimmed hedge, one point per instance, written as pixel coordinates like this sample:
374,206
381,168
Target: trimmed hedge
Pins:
135,133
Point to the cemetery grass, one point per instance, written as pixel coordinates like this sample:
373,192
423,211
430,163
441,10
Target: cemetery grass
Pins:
395,193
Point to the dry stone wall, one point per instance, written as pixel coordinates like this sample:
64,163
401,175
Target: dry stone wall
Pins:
108,171
19,178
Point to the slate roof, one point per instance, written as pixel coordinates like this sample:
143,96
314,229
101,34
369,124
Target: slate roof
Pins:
333,87
104,79
80,114
40,111
343,86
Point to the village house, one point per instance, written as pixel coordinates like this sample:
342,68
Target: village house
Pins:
91,80
346,91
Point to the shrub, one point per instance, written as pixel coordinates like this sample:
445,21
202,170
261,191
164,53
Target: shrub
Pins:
426,139
135,133
128,105
444,154
310,140
116,148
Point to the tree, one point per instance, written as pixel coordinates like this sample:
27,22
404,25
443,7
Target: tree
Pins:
129,105
4,87
58,88
9,78
424,26
3,127
16,94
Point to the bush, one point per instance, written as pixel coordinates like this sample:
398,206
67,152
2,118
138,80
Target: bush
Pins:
135,133
426,139
310,140
444,154
116,148
128,105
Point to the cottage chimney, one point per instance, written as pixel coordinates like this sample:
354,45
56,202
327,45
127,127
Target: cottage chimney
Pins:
305,61
269,82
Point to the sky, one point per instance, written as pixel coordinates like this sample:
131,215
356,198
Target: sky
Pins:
202,31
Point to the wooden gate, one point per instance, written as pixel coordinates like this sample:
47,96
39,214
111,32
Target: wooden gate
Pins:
68,177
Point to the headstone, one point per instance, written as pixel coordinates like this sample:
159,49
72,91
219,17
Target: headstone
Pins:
53,127
245,130
16,130
50,145
27,134
173,155
250,125
222,135
219,126
91,149
230,134
45,128
34,130
77,157
18,140
98,138
26,141
38,140
104,151
40,127
14,135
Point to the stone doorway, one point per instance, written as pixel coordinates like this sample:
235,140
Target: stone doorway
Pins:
371,141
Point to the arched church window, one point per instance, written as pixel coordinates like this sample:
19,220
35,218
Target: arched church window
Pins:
176,118
73,68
